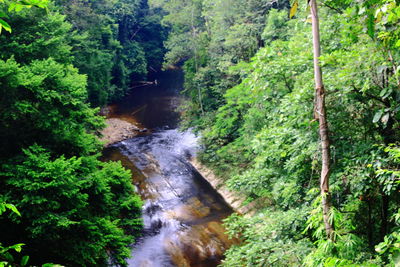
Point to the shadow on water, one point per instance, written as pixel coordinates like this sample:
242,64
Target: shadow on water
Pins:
182,213
152,106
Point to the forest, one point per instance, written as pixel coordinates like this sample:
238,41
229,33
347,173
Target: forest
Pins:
60,61
249,79
318,163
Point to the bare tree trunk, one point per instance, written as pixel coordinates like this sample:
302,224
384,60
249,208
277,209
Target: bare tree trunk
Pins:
323,125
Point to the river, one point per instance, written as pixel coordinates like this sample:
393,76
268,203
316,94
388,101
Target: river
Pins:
182,213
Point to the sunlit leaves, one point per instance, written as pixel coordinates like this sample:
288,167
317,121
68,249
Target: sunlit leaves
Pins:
388,170
261,138
4,25
267,239
5,206
390,246
17,6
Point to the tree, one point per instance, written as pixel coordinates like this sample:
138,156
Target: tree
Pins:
17,6
114,43
320,115
320,111
76,210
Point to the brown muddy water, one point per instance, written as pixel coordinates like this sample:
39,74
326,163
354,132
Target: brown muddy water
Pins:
182,213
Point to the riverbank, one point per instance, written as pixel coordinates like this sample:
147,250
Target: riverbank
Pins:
234,199
118,130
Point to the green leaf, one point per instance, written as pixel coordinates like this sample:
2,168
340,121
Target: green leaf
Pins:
13,209
8,256
24,260
377,116
17,247
5,25
371,26
383,92
11,6
2,208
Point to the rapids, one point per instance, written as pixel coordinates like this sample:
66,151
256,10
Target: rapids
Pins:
182,213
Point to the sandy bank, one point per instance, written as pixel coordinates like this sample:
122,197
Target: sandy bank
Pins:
118,130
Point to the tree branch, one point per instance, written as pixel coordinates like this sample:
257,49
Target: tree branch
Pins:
384,102
332,8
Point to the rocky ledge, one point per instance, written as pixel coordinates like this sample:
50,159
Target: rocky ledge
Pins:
118,130
235,199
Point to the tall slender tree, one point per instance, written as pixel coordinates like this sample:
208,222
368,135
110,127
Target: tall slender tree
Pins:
320,115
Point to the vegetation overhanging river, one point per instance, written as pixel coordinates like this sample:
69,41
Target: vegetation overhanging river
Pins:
182,213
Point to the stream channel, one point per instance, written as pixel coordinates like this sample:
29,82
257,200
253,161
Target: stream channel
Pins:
182,213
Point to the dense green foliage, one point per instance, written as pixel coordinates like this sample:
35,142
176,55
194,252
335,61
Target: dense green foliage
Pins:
249,84
16,6
115,43
6,258
249,79
55,64
80,208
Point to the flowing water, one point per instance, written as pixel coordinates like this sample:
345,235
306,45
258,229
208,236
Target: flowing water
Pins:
182,213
